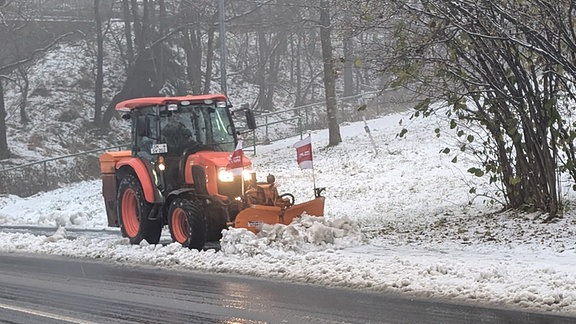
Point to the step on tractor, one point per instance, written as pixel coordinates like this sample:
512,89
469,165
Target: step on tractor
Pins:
177,173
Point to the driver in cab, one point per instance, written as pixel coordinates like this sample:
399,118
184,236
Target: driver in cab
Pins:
176,135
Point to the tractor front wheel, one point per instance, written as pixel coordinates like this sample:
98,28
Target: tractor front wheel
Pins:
134,212
187,223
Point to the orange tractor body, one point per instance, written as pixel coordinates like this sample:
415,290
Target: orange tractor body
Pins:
177,174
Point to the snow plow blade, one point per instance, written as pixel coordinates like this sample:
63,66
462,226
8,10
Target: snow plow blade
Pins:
253,217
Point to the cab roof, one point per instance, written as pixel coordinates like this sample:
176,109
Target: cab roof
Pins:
136,103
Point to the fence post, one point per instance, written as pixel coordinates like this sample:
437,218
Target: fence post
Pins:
45,176
266,119
254,141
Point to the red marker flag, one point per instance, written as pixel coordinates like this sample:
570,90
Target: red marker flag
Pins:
304,153
236,164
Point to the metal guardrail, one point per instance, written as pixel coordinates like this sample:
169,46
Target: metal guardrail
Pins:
44,162
283,121
30,178
304,119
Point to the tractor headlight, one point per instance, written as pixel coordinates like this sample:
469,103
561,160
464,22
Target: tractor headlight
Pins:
227,175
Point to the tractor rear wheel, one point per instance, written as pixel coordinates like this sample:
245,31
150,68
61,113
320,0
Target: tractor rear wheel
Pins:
187,223
133,212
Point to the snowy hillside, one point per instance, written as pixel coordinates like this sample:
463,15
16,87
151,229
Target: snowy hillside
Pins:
401,220
60,107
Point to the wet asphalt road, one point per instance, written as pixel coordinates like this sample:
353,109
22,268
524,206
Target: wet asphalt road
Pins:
42,289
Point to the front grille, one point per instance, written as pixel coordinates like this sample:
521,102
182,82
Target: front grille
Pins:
231,189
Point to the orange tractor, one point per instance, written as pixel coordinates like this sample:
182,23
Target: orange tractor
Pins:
177,174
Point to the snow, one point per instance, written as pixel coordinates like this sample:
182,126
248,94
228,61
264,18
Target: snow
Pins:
402,220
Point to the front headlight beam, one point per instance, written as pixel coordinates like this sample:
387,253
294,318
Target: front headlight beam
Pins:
227,175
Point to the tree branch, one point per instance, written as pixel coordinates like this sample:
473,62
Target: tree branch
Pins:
32,57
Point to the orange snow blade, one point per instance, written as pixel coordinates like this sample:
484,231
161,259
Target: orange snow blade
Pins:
254,217
313,208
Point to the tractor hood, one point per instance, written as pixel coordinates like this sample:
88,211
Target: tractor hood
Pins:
213,163
217,159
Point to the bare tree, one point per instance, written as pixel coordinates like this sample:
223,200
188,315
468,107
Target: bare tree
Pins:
152,66
23,83
198,43
4,150
348,72
334,137
25,41
209,59
128,32
99,84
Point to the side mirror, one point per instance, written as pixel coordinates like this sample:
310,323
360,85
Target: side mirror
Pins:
250,120
143,126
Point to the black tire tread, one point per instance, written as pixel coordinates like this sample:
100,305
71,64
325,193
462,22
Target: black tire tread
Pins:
150,230
196,222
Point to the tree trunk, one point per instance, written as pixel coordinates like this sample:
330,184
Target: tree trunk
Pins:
24,88
263,54
139,83
193,52
334,136
99,83
209,60
137,27
270,76
128,33
162,27
298,73
4,151
348,66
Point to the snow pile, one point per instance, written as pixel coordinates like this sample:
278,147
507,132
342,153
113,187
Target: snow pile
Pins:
304,234
76,206
60,234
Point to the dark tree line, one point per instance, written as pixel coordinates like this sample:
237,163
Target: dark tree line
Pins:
287,48
272,30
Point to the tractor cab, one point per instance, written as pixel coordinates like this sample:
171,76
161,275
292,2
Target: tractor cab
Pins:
173,128
166,131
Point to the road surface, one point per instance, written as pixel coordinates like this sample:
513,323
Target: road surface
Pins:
47,289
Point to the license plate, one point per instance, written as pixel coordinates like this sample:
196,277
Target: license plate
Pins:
158,148
255,224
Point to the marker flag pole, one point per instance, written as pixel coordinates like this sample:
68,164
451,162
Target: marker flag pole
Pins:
304,155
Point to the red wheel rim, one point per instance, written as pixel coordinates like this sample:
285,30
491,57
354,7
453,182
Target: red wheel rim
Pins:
130,218
179,225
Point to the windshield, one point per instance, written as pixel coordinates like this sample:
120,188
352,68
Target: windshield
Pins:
197,125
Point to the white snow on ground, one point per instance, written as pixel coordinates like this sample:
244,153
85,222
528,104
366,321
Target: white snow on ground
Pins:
401,220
